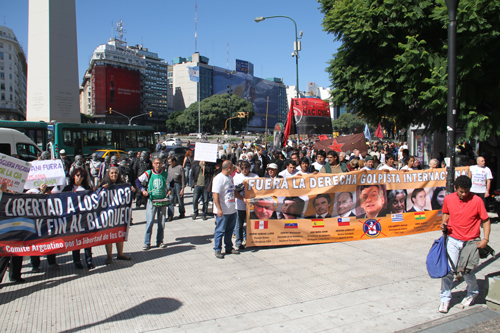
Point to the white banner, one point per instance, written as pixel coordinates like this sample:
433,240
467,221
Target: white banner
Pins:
205,152
13,172
49,172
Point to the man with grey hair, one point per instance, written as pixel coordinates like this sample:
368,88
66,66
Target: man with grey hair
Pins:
224,210
434,163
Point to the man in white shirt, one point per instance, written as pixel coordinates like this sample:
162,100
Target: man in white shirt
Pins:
481,178
239,229
389,165
320,160
291,169
224,209
369,163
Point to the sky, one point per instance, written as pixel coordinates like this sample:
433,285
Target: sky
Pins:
168,28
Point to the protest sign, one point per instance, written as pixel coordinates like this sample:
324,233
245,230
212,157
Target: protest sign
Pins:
49,172
205,152
13,172
39,224
326,208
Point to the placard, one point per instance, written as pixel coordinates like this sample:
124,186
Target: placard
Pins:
49,172
205,152
14,172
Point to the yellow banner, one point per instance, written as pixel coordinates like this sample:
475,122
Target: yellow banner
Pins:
326,208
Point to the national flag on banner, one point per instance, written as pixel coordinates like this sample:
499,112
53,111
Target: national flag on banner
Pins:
291,224
344,221
261,225
318,223
378,132
194,73
420,216
397,217
323,137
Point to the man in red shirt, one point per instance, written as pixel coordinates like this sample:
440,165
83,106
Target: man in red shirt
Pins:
463,213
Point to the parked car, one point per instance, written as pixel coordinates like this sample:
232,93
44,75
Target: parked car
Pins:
173,142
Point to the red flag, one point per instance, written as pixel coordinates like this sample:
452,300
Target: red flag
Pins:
322,137
378,132
289,126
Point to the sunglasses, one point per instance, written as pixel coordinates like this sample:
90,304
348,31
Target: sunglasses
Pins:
78,175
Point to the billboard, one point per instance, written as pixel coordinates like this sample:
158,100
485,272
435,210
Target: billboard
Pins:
117,88
253,89
244,67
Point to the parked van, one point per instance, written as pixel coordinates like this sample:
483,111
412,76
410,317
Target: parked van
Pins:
13,142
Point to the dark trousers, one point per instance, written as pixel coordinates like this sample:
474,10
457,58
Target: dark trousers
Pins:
140,199
35,260
200,191
88,256
16,263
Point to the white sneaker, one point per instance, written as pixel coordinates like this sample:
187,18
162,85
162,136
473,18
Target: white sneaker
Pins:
467,301
443,308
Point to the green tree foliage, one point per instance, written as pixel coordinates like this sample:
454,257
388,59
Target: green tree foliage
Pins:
346,123
172,122
214,112
393,61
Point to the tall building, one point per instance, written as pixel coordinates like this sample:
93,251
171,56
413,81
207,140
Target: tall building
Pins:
13,70
130,80
215,80
53,62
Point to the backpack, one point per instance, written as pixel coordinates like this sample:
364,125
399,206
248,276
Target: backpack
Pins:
437,259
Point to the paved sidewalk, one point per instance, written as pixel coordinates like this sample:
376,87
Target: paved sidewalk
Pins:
375,285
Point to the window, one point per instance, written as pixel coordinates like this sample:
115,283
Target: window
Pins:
1,45
90,137
2,97
1,55
105,138
2,86
131,139
27,152
2,76
5,148
67,137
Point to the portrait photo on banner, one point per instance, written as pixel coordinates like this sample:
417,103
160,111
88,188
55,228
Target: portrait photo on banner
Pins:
418,200
320,206
291,208
372,201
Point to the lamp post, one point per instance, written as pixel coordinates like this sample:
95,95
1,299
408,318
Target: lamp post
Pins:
452,92
230,92
296,46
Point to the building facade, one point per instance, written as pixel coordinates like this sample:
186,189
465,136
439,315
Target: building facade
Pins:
129,80
13,72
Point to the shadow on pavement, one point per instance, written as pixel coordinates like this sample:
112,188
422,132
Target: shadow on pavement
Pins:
195,240
158,306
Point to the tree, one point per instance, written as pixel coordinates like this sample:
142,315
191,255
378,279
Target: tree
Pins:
172,122
214,112
346,123
393,61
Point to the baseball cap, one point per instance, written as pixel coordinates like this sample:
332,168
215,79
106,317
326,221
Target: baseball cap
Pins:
272,166
62,152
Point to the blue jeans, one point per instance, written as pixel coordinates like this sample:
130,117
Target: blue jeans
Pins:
176,197
454,246
188,175
239,229
200,191
151,212
224,227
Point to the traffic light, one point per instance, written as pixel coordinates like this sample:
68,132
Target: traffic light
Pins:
109,110
150,114
241,114
247,114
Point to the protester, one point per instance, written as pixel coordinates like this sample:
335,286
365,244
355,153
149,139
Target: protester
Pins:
142,165
241,207
408,164
201,173
304,166
176,171
114,178
94,167
463,213
154,185
481,178
434,163
369,163
225,210
187,165
320,161
79,181
290,170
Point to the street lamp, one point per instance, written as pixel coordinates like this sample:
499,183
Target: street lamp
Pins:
296,47
230,91
452,92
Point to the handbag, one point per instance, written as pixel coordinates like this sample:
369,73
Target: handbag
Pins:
437,259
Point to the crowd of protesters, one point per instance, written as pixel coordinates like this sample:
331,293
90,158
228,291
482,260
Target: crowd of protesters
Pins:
159,184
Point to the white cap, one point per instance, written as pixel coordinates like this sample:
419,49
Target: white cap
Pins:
272,166
62,152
